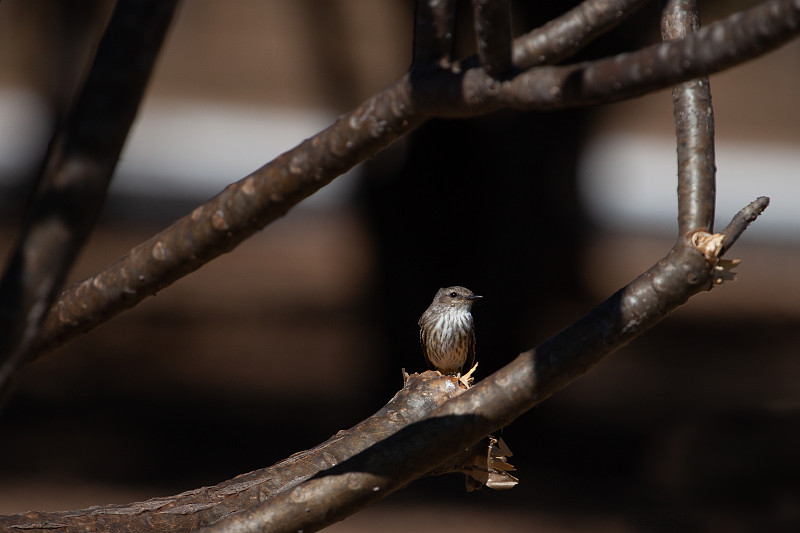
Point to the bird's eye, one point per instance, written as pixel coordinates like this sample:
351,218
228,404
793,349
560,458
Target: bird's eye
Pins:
453,294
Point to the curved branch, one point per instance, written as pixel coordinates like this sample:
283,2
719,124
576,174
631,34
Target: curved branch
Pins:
564,36
248,205
421,395
492,403
72,187
694,130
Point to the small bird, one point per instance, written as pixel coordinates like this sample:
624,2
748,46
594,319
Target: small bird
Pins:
446,331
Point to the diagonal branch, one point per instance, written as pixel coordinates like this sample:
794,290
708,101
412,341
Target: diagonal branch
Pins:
496,401
423,426
237,212
421,395
694,130
76,174
743,218
713,48
248,205
564,36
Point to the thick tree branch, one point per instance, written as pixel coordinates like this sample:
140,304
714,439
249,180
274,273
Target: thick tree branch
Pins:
496,401
694,130
189,510
493,31
427,423
78,169
246,206
233,215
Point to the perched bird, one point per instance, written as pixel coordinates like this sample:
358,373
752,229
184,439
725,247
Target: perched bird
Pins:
446,331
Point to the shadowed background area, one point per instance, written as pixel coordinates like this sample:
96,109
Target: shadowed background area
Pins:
304,328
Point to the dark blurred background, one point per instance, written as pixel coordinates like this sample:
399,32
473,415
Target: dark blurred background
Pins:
303,329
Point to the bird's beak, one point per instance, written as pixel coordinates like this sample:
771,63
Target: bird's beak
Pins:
474,297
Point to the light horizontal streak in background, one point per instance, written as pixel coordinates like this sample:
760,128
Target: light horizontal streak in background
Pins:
194,148
629,182
199,147
177,148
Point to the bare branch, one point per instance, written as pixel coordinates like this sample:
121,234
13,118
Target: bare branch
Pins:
564,36
496,401
427,423
246,206
420,396
79,166
740,222
694,130
434,24
233,215
493,30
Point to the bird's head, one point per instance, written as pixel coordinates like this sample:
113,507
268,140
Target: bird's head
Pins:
456,296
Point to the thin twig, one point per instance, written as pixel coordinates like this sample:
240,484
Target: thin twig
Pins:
493,31
434,24
564,36
492,403
78,169
694,130
740,222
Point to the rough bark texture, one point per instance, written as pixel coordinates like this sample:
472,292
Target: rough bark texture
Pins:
189,510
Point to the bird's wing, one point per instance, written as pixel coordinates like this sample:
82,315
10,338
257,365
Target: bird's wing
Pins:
470,352
423,341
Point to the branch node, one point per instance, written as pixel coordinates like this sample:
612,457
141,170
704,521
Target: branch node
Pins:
709,245
714,246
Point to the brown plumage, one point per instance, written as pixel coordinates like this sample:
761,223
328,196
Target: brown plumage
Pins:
446,331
